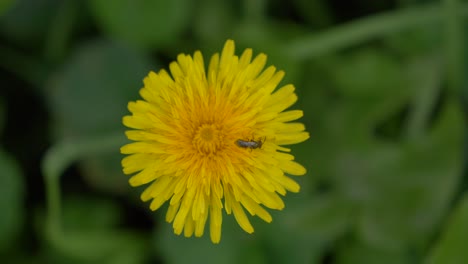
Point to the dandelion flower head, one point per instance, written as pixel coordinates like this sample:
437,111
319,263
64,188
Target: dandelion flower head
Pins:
211,139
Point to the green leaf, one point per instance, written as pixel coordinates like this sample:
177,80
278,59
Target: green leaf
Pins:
402,190
289,238
11,200
324,217
373,91
89,97
451,247
147,24
304,229
369,74
415,42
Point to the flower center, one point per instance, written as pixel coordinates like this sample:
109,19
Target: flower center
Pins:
207,139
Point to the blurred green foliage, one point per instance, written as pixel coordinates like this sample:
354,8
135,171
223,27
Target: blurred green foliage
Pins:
11,202
381,84
149,24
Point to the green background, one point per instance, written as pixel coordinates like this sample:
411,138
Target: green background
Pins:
382,84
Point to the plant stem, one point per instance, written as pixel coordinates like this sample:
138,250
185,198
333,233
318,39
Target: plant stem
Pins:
56,160
429,75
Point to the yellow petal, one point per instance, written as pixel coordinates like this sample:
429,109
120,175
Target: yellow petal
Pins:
292,167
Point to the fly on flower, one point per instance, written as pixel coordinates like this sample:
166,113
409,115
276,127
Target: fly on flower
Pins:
186,131
251,144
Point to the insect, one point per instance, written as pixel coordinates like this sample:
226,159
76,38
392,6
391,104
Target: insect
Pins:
251,144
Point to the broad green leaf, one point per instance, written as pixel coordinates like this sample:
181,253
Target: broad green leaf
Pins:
399,190
376,87
11,201
415,42
451,247
402,189
89,97
300,232
324,217
146,24
369,74
307,226
317,102
344,108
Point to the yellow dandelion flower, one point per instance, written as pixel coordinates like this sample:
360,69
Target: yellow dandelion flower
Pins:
213,140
